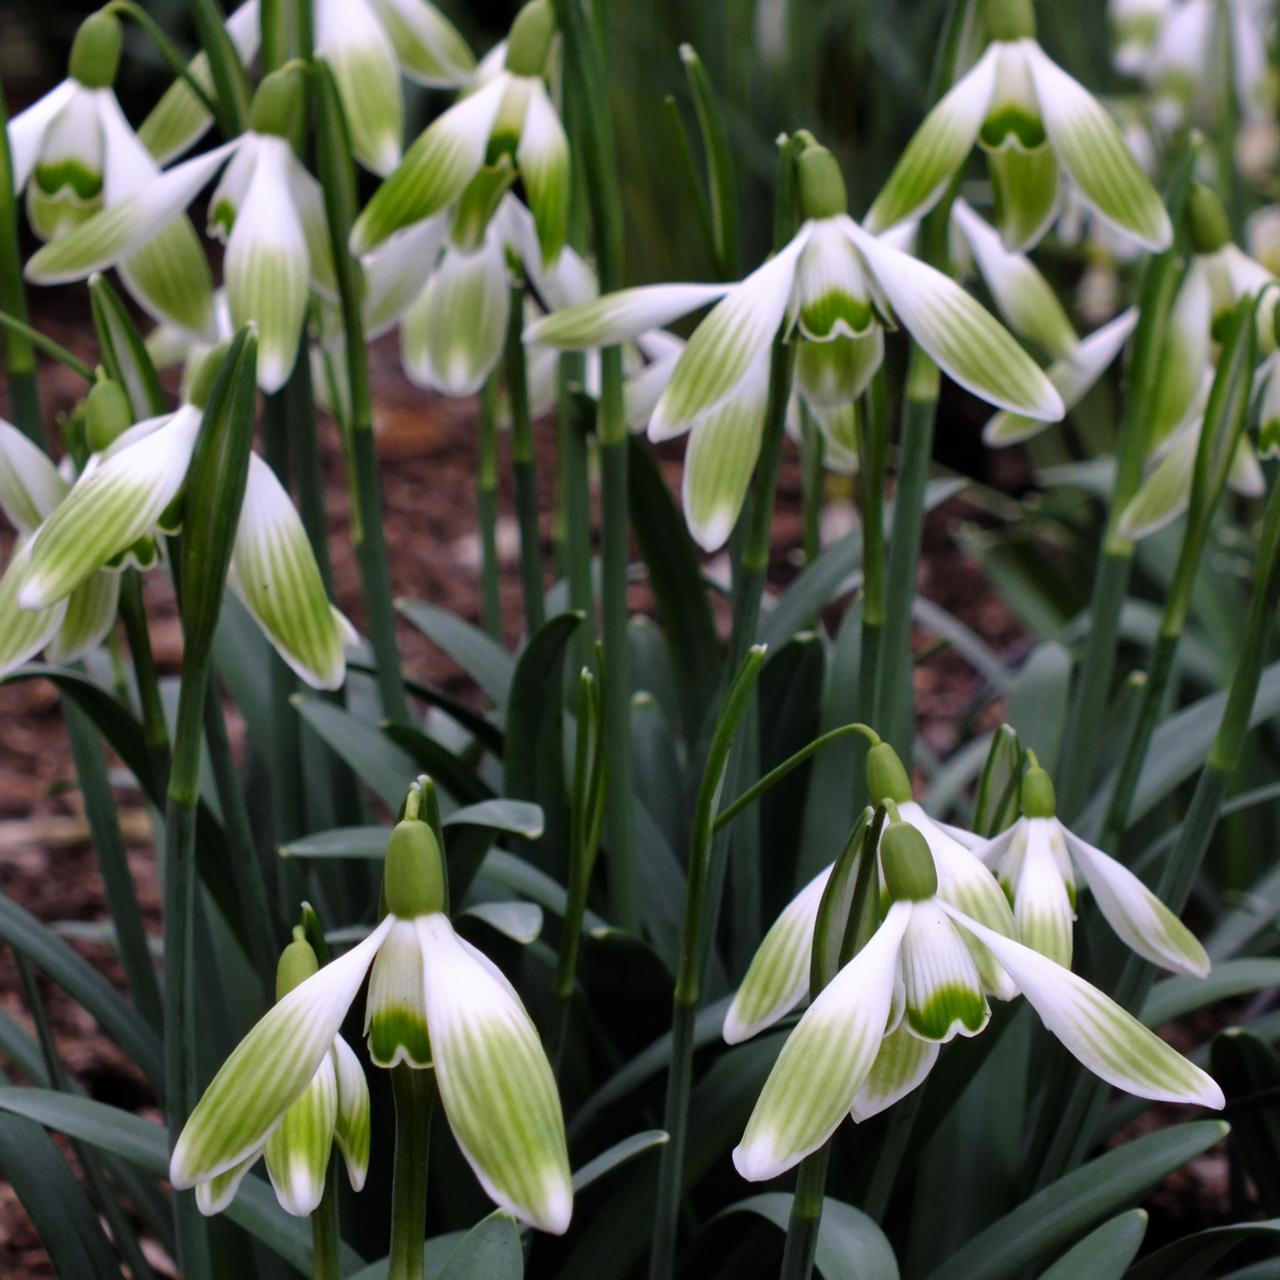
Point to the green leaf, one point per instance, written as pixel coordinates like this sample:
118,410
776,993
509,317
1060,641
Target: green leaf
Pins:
850,1245
124,354
518,876
1103,1254
378,762
1249,1072
1173,997
1053,1217
489,1251
1193,1256
618,1154
481,657
1038,710
434,758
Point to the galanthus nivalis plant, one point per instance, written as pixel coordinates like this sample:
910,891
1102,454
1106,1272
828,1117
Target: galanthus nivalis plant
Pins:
516,933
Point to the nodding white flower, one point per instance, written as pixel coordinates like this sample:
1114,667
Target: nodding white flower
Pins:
331,1107
82,164
873,1033
835,287
1035,123
778,976
434,1000
508,114
130,489
1135,27
1028,304
1033,860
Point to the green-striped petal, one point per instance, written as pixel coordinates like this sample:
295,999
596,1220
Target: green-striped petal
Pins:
30,486
269,1069
67,180
216,1194
352,1130
1141,921
831,295
1041,901
23,632
275,575
1111,1043
941,985
428,45
91,612
967,343
395,1011
495,1082
825,1060
778,976
836,372
27,129
621,316
395,272
1185,355
901,1065
1025,190
542,157
308,200
110,508
434,171
937,149
298,1150
1091,149
644,388
1165,493
839,427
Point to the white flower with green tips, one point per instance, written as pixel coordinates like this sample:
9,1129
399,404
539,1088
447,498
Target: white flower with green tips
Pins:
873,1033
1034,861
833,286
509,114
434,1001
82,165
1036,124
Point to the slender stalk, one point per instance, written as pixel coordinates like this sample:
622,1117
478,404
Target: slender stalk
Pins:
230,84
873,434
166,48
326,1237
487,507
811,454
414,1093
20,332
155,728
572,427
523,460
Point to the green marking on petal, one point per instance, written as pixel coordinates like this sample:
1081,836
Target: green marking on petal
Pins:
429,47
298,1150
948,1009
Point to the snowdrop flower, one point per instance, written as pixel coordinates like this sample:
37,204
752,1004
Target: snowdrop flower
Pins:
1033,860
1135,26
1029,306
434,1001
332,1107
872,1035
835,286
82,165
132,488
510,114
778,976
1035,123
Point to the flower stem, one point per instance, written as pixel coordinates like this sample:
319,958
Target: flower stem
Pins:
414,1092
573,424
873,435
230,84
166,49
811,453
23,335
806,1215
155,729
326,1237
487,507
523,460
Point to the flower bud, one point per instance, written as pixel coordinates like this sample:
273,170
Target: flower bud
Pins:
95,52
886,778
1206,220
1038,798
277,105
413,879
909,873
822,193
530,39
1010,19
106,414
297,964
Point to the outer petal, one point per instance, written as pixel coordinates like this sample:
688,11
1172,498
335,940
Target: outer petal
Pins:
267,265
644,388
23,632
109,510
1186,354
27,128
619,317
543,159
30,486
1165,493
901,1065
452,336
216,1194
1139,918
351,39
825,1060
778,976
351,1126
836,372
395,1011
1111,1043
270,1068
124,227
435,170
275,575
395,272
495,1081
1041,904
721,457
1072,376
729,343
298,1150
1092,151
91,612
308,200
839,427
940,980
938,148
971,347
427,44
66,185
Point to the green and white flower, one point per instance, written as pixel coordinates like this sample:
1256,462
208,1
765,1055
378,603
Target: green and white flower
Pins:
434,1000
82,165
509,114
1135,29
1034,861
835,287
1036,124
872,1035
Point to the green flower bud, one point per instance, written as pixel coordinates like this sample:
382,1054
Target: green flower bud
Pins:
1038,798
886,778
822,193
1206,220
909,873
106,414
95,52
413,879
1009,19
277,106
530,39
297,964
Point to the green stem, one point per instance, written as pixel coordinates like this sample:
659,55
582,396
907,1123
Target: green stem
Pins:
811,453
523,461
166,48
487,505
414,1093
873,439
573,424
155,728
20,332
230,83
806,1216
326,1238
